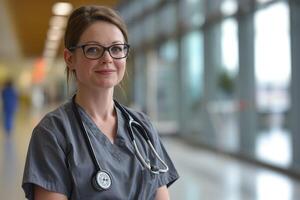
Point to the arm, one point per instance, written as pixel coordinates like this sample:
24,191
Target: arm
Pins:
42,194
162,193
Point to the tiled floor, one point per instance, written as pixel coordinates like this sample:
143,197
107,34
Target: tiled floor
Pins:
204,175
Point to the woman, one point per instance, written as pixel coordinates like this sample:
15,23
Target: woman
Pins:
85,149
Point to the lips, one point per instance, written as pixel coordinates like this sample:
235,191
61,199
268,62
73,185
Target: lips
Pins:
105,71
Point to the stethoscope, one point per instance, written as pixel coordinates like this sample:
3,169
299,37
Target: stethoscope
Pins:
101,180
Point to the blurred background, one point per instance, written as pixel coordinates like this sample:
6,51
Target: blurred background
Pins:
219,79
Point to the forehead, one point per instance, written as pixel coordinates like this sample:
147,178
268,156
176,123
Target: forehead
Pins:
102,32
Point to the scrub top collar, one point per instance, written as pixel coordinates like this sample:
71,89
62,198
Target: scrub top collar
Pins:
121,137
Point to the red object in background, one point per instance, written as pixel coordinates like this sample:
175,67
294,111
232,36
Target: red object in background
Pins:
38,73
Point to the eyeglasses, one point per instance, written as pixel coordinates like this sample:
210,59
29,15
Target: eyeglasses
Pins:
96,51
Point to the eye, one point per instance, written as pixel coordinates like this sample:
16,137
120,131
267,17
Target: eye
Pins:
116,49
93,50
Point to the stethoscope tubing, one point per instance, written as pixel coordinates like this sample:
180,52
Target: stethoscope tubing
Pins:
131,122
137,123
85,135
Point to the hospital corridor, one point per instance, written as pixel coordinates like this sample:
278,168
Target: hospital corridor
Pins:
218,79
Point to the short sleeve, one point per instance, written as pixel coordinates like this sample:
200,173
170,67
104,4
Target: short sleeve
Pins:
46,163
169,177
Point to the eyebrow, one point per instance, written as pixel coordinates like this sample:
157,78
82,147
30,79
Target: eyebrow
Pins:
94,42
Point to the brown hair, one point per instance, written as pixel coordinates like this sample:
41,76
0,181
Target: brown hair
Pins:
82,17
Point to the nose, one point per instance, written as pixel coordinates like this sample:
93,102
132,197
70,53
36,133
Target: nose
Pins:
106,57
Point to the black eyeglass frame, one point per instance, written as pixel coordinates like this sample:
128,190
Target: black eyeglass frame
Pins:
104,49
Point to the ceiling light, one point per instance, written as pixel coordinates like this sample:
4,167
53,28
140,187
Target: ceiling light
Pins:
263,1
62,8
49,53
54,34
52,44
58,22
229,7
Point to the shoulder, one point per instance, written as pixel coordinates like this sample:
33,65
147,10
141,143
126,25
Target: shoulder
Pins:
138,115
57,116
143,119
55,124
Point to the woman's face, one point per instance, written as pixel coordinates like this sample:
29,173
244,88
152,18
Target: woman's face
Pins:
105,72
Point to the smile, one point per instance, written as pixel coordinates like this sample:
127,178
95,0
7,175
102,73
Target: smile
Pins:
106,72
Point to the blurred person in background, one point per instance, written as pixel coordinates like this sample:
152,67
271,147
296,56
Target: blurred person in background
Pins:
9,106
92,147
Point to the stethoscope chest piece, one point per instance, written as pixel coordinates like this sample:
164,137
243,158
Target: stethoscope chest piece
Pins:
102,180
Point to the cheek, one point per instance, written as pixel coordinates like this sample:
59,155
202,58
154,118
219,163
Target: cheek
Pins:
82,70
121,65
82,64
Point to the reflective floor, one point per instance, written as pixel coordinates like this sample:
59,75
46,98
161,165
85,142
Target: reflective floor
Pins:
209,176
204,175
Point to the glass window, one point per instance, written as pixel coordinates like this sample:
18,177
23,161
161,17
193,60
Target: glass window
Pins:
272,45
136,8
131,10
150,27
167,15
150,3
135,34
273,68
222,111
167,81
263,1
140,91
125,13
212,7
229,52
229,7
192,66
191,13
192,57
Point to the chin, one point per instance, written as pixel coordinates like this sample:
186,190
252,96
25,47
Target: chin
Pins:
107,85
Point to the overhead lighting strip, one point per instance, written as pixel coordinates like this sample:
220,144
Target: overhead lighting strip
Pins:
57,25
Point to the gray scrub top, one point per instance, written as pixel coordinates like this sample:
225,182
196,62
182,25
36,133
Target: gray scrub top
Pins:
58,158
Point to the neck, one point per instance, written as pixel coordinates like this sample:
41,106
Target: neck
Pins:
99,105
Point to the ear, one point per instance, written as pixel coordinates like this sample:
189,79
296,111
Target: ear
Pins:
68,56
